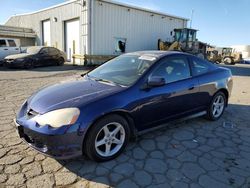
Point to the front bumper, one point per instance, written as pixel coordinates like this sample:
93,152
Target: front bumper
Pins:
62,146
13,63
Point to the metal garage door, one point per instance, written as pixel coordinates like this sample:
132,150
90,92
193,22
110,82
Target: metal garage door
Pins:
46,33
72,37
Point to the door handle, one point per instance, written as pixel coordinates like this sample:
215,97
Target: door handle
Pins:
6,49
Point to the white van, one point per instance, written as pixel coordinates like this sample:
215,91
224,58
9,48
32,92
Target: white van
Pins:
9,46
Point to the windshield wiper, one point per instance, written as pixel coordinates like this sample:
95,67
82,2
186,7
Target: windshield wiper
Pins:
104,80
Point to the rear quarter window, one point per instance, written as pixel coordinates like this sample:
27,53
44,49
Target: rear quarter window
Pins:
53,51
200,66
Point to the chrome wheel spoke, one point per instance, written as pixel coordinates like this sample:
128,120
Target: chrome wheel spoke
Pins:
117,141
107,149
218,106
106,130
107,142
117,129
100,142
214,111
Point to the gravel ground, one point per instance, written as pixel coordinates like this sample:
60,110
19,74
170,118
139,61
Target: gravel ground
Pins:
195,153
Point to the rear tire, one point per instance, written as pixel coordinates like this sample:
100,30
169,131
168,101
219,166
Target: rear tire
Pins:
217,106
107,138
60,61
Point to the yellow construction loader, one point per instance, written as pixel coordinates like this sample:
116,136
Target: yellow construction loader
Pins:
213,55
229,56
224,55
185,40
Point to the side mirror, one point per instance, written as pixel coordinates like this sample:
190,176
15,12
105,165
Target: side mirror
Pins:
156,81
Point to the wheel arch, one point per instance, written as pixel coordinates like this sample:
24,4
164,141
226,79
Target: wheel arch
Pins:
226,93
124,114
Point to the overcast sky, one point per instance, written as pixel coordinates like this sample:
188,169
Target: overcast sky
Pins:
220,22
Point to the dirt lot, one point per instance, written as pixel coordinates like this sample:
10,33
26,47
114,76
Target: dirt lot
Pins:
196,153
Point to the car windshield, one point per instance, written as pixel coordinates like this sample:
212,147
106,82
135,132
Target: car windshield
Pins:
33,50
123,70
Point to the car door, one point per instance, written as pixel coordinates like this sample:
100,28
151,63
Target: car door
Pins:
174,99
4,50
43,57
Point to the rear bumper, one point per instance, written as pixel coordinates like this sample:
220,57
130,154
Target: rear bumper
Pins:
65,146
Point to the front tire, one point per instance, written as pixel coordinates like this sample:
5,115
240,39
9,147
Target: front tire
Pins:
107,138
217,106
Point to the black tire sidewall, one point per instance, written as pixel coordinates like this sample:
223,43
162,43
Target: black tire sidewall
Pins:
210,115
89,143
60,61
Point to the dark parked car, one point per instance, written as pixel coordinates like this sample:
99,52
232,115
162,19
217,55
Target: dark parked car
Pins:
124,97
36,56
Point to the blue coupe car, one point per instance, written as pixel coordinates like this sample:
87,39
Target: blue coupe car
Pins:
120,99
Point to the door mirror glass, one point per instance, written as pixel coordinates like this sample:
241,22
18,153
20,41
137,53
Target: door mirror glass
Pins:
156,81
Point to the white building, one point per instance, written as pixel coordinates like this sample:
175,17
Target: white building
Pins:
99,27
244,49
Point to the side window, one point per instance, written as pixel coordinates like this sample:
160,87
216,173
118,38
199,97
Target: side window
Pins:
3,43
52,51
173,69
12,43
199,66
44,51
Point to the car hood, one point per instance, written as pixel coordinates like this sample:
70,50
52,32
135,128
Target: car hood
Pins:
71,94
17,56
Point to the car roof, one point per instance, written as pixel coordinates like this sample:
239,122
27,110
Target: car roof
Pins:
155,53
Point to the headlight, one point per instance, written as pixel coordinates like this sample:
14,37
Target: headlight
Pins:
58,118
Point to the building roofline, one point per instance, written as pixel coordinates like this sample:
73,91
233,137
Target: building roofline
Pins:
106,1
142,9
41,10
15,27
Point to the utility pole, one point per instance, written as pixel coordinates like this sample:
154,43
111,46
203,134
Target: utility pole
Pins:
191,19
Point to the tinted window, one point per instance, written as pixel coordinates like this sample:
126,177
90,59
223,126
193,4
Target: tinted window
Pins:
3,43
53,51
199,66
44,51
173,69
12,43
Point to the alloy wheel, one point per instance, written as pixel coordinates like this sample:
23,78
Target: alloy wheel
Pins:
218,106
110,139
